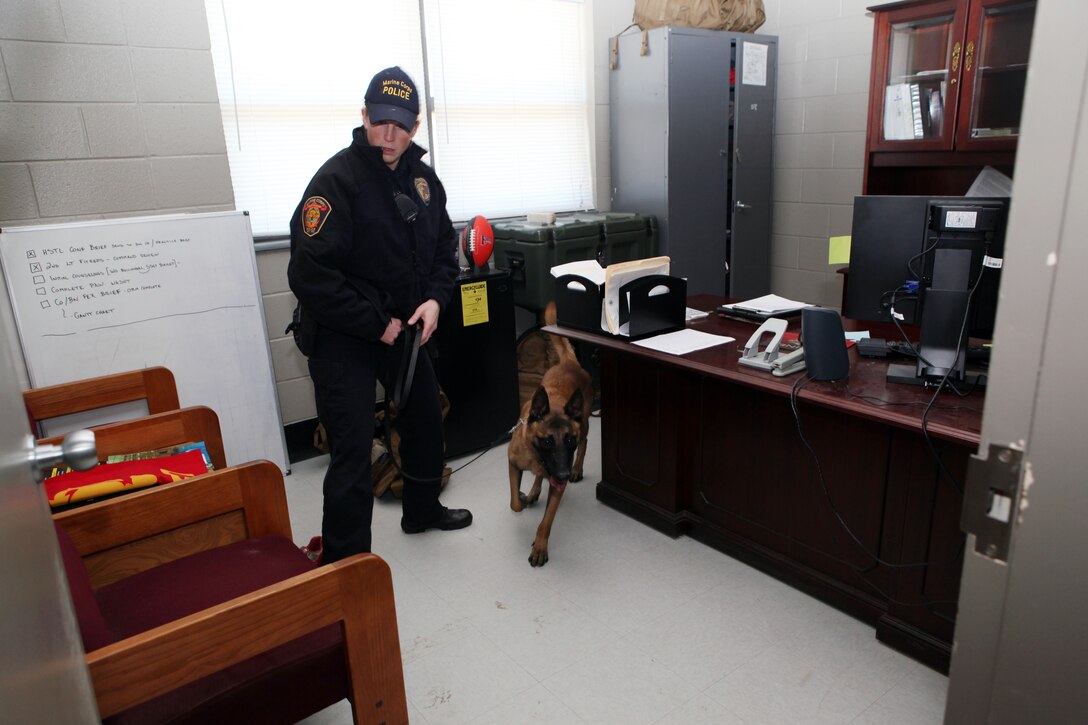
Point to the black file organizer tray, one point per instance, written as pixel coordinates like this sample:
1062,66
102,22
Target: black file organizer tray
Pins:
579,305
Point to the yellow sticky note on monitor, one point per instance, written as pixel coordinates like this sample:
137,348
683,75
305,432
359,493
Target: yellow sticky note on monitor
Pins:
838,250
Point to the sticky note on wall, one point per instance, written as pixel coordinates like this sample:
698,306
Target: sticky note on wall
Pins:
838,250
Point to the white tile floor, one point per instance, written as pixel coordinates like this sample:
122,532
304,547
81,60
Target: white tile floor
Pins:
624,625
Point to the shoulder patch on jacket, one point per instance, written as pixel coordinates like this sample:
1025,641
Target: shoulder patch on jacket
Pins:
423,189
315,211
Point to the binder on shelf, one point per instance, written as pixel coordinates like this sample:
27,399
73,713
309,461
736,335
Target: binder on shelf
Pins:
936,110
898,114
916,110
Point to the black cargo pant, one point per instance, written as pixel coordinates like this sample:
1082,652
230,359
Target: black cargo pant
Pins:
344,376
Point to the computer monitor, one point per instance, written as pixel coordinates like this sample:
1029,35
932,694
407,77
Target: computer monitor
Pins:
933,262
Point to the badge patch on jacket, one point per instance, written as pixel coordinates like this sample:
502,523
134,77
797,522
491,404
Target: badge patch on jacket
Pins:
424,190
315,211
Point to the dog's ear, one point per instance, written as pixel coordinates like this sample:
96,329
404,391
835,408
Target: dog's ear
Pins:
574,406
539,408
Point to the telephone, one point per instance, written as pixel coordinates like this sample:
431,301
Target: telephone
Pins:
788,364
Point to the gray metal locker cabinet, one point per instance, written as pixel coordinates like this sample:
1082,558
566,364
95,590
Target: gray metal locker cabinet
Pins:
695,150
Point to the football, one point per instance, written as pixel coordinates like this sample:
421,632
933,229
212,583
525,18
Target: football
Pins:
477,241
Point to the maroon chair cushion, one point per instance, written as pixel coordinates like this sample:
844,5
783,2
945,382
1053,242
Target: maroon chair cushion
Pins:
92,626
284,684
172,590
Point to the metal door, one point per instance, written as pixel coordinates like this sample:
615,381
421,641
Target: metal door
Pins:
756,69
1020,651
43,678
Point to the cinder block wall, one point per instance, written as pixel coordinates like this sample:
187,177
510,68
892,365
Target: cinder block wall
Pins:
825,49
293,385
108,109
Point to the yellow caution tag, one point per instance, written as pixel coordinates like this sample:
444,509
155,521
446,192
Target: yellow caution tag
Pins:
474,303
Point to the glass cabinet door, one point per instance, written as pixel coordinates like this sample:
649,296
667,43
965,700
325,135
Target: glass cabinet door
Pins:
995,68
919,57
917,83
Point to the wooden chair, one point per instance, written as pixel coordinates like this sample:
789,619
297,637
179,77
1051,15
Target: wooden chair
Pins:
195,606
167,425
161,430
155,385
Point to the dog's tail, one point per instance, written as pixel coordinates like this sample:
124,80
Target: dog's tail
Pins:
561,345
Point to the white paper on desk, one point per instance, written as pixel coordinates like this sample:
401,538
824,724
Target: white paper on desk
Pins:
591,269
690,313
770,305
617,275
683,341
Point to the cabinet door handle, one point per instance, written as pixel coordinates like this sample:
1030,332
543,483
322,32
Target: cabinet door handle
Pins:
956,48
969,55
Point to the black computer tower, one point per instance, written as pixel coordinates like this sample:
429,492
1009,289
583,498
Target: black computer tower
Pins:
477,361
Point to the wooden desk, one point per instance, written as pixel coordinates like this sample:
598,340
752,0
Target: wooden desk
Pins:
698,445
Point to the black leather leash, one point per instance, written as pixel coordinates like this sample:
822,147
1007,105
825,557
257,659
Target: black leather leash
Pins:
402,387
407,371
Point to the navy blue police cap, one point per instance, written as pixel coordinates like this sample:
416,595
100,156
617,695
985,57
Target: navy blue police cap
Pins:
392,97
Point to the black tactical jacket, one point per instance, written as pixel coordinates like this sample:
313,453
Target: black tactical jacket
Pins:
355,262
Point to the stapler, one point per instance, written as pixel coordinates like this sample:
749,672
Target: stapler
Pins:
788,364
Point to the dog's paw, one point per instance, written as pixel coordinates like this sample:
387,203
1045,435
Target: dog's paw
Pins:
532,498
538,556
575,476
523,499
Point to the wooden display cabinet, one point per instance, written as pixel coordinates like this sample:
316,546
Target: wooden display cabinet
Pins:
946,92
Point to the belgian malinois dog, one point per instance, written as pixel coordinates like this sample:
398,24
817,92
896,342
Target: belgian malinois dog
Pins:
550,439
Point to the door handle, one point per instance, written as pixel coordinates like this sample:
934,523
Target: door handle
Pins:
739,205
78,451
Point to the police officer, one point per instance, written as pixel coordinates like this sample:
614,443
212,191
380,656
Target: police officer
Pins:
373,252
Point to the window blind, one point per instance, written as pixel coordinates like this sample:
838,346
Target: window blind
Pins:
508,80
291,80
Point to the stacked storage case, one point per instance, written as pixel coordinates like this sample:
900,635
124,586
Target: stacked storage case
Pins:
530,251
624,236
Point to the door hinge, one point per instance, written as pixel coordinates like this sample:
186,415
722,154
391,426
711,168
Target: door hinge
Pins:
991,499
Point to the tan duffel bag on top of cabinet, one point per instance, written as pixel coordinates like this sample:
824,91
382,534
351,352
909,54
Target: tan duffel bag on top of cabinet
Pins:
742,16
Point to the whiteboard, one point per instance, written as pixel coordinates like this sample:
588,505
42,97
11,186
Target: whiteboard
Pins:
181,291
